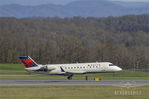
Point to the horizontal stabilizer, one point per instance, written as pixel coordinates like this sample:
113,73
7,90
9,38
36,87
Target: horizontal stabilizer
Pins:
33,68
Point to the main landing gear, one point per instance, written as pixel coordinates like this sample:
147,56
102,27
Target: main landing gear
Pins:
70,77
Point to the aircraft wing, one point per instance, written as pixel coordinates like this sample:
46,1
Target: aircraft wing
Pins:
75,72
72,72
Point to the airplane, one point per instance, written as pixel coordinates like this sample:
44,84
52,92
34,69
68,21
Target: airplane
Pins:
68,69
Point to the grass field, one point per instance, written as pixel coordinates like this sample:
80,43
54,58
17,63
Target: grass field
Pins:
18,69
13,71
71,92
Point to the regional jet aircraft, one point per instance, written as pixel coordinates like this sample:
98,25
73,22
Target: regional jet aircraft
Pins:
68,69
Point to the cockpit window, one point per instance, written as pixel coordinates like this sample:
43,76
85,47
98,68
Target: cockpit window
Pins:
111,65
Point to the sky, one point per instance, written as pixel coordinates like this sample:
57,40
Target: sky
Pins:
34,2
38,2
132,0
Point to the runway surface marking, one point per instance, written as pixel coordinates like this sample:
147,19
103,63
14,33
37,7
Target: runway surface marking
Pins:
106,82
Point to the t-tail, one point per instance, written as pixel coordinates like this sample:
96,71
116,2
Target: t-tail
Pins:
29,63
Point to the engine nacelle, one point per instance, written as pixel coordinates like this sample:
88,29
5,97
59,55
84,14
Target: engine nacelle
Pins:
46,68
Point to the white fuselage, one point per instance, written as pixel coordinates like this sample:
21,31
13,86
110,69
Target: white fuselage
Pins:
77,68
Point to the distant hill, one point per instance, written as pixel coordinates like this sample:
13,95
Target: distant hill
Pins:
132,4
84,8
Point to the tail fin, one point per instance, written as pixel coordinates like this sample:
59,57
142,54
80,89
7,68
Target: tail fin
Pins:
27,61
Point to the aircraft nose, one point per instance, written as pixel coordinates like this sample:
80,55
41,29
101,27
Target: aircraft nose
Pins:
119,69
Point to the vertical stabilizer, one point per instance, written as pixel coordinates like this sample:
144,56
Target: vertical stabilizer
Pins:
28,62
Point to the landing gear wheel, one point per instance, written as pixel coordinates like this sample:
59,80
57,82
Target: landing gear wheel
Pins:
69,77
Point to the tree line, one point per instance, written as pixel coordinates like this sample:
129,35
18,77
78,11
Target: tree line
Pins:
123,40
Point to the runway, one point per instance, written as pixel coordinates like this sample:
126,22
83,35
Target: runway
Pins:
104,82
